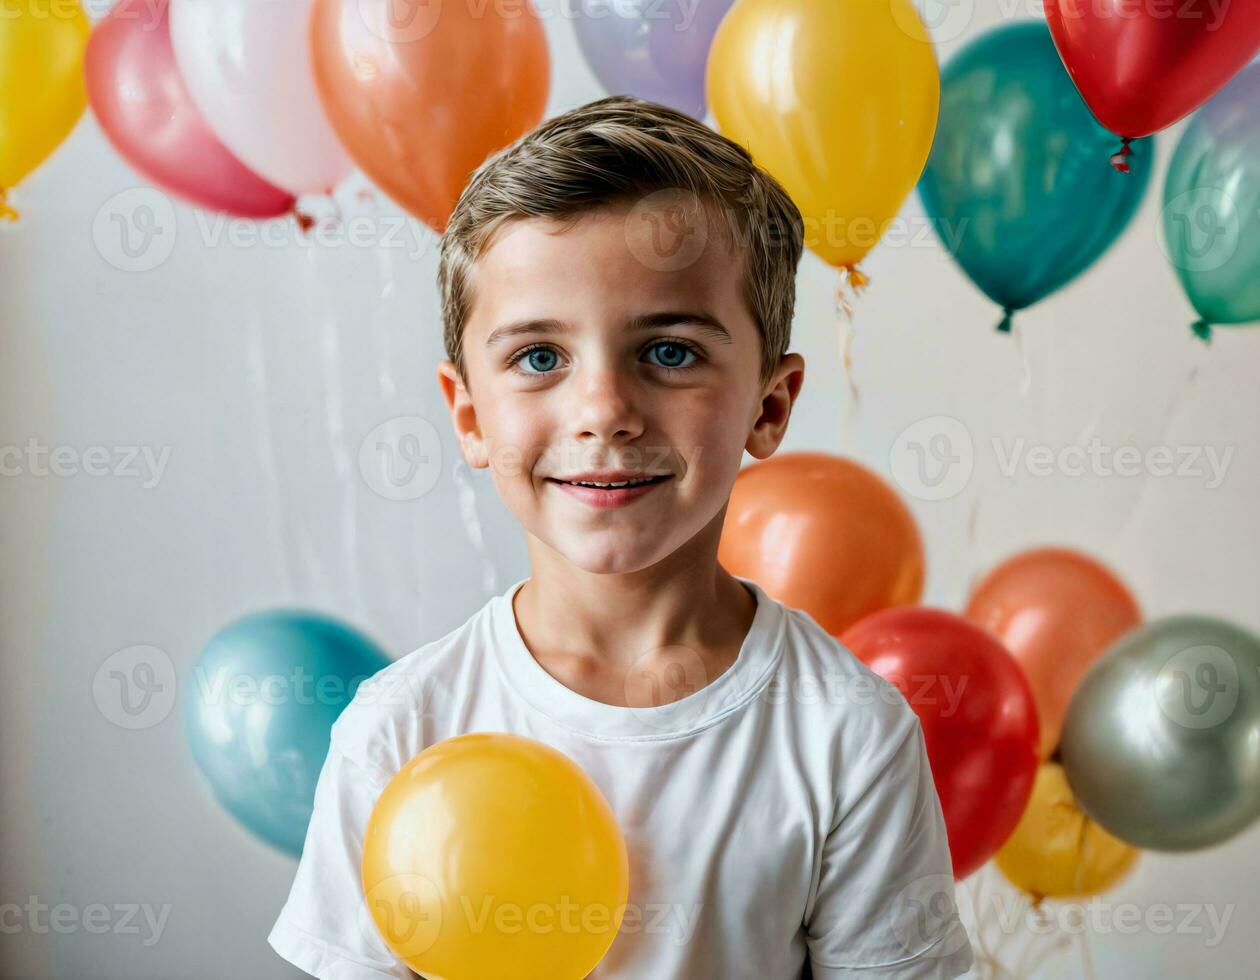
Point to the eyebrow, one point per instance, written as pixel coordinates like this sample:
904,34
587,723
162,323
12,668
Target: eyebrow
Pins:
708,325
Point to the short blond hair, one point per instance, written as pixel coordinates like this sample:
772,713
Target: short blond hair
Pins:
613,151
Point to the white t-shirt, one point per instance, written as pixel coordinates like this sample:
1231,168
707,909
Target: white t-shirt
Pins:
781,816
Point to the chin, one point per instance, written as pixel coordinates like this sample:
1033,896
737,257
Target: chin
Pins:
611,559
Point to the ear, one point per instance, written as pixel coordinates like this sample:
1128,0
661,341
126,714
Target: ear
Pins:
463,415
776,406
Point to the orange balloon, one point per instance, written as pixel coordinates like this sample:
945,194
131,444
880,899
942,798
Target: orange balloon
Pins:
1055,610
421,93
823,534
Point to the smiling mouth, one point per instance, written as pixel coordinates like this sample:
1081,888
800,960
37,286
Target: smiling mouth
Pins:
624,485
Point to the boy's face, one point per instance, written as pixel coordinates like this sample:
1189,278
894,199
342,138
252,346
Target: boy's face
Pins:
647,362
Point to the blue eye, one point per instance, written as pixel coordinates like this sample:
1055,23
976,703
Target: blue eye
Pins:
542,358
675,350
539,357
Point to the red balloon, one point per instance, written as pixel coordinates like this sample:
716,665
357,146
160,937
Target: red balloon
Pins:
978,715
139,98
1142,65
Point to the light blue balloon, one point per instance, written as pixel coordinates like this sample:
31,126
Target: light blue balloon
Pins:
656,51
1212,206
260,706
1019,183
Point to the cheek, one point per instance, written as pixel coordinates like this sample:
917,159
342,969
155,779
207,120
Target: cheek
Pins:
710,431
514,439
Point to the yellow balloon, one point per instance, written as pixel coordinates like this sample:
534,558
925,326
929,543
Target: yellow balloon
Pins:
42,94
495,857
838,100
1058,852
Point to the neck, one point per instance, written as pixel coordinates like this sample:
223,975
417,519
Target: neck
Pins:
616,618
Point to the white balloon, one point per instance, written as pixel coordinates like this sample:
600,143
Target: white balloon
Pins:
247,65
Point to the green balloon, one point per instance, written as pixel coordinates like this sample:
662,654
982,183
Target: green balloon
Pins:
1161,741
1019,184
1212,206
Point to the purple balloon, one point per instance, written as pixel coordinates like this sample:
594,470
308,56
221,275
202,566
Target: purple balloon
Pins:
140,100
651,50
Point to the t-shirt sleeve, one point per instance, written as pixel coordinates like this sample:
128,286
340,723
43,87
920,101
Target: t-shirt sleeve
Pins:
885,903
324,927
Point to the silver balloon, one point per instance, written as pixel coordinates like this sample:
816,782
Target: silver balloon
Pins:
1161,742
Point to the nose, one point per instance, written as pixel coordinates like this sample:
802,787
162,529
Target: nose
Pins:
606,404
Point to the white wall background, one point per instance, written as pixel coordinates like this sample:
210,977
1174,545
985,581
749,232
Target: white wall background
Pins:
262,368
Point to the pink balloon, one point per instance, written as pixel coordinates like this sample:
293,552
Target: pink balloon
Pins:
143,106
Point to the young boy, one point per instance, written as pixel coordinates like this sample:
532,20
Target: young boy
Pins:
617,290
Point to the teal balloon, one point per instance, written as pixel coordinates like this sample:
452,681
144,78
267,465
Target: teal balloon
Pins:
1018,185
260,707
1161,740
1212,206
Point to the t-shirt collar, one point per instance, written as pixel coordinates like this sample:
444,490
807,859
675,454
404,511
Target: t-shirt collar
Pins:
743,680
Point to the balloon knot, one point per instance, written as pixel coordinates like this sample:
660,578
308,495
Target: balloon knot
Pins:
1203,330
304,220
6,213
1007,321
1120,159
858,280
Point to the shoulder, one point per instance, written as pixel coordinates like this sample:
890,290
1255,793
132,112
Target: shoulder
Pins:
856,717
395,711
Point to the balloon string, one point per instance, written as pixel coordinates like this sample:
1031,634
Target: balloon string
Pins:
256,375
1120,159
384,370
1165,424
844,333
7,213
472,524
1087,961
330,349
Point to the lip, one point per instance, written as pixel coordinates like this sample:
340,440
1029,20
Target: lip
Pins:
611,498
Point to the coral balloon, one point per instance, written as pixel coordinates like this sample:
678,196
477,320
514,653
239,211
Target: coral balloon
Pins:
140,100
1056,611
825,535
422,93
505,854
41,83
838,101
247,64
978,715
1058,852
1142,66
